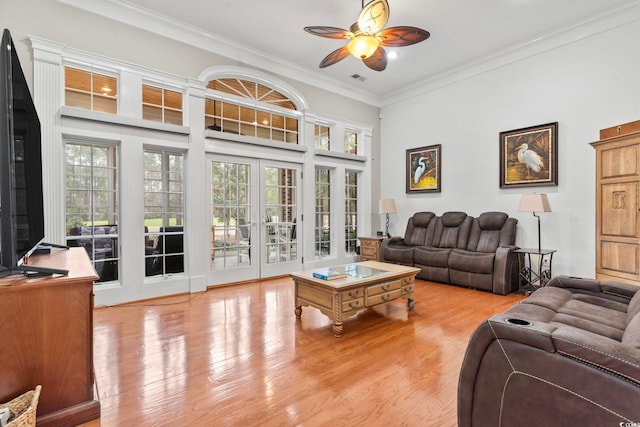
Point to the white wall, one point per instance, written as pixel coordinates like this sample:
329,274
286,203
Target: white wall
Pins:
585,85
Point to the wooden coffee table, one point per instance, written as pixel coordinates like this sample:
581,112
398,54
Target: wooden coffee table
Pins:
370,283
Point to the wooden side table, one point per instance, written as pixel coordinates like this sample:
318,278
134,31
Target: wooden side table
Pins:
370,248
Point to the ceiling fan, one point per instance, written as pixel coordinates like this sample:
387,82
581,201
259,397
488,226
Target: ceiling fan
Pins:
366,37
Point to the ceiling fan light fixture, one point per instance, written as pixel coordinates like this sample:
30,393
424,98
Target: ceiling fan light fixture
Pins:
363,46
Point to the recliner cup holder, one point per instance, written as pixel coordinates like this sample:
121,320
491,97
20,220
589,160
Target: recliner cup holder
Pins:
519,322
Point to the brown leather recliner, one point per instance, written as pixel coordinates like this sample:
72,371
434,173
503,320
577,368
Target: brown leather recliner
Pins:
568,355
489,261
459,249
399,250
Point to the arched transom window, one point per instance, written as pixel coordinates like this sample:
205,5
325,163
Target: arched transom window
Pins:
252,110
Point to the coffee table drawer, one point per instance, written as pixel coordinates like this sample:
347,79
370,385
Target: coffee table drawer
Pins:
352,294
383,287
384,297
353,304
407,289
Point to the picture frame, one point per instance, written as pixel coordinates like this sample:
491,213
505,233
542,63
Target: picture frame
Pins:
529,156
423,169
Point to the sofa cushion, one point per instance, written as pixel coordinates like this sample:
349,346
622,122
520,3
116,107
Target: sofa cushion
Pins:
492,220
398,253
418,231
452,230
472,262
433,257
591,313
631,336
453,219
422,219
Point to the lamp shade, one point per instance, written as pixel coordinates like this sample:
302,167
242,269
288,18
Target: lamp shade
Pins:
387,206
534,203
363,46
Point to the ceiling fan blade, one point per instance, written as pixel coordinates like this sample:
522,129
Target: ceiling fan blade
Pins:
377,61
335,56
329,32
374,16
402,36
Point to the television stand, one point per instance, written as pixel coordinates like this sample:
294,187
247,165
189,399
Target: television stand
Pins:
47,332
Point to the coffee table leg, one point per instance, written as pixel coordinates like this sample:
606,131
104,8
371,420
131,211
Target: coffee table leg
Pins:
337,329
298,311
410,304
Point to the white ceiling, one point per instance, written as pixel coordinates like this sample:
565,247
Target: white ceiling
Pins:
464,33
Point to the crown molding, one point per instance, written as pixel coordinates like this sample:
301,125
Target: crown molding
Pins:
127,13
609,20
133,15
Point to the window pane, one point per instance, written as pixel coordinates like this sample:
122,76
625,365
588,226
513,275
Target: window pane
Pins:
78,99
104,104
152,113
151,95
164,213
323,213
92,213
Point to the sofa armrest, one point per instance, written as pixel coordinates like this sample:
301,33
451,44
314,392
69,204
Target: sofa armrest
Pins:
505,270
393,241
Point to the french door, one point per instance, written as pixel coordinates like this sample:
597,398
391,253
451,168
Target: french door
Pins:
254,211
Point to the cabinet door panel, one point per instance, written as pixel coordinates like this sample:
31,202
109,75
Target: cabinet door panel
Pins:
619,257
620,161
619,207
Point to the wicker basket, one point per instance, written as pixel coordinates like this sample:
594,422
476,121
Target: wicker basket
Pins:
26,417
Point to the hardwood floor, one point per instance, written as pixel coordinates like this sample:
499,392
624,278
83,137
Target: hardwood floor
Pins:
237,356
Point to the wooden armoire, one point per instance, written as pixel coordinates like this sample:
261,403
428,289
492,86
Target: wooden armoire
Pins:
618,204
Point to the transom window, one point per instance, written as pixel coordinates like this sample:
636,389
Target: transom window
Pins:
161,105
321,137
251,90
91,91
265,116
350,142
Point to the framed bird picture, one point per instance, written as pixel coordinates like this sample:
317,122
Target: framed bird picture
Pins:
423,169
529,156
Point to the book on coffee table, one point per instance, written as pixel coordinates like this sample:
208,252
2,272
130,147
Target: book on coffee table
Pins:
329,274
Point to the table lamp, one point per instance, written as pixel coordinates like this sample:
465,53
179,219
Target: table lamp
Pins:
387,206
535,203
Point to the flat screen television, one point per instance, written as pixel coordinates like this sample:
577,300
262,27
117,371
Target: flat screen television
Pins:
21,201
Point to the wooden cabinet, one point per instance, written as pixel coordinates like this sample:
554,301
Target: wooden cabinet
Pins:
370,248
47,338
617,204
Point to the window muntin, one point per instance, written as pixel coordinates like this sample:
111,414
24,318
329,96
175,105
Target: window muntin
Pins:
252,120
351,212
90,91
251,90
161,105
163,212
322,137
92,205
323,212
350,142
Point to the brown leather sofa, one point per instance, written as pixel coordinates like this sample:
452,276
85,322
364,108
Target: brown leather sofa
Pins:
459,249
568,355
